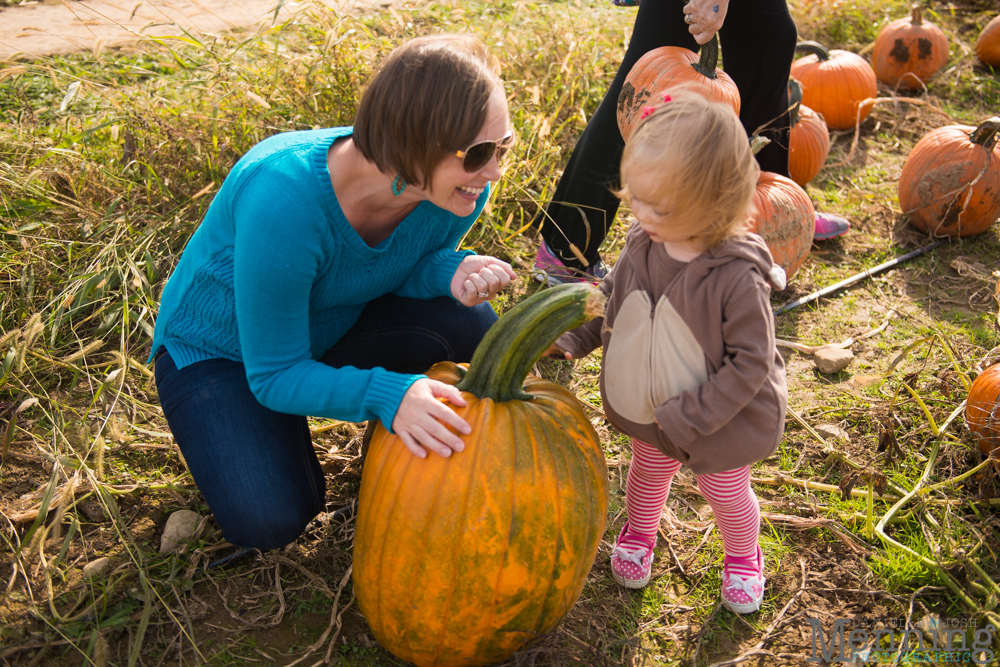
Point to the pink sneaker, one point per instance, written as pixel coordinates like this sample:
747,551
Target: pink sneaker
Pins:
549,269
632,559
743,595
829,226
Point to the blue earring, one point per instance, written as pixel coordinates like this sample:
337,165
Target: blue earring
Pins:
398,185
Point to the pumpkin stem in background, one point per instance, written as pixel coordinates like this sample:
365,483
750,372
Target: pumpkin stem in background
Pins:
814,48
986,134
915,17
709,58
794,101
512,345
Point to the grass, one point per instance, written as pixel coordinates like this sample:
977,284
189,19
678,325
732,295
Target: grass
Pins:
107,164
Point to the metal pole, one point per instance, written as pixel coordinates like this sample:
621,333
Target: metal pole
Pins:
867,273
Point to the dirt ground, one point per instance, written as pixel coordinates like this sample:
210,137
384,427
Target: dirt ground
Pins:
39,29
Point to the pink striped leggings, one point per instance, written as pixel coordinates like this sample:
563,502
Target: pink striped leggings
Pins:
737,511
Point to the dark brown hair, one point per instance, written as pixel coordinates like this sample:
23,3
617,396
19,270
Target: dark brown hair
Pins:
428,99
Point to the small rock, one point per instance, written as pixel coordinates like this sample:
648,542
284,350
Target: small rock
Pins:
96,567
833,432
92,509
179,529
832,359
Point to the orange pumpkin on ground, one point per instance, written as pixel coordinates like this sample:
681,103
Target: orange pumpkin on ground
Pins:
982,409
661,68
463,560
836,84
808,138
908,52
785,218
950,183
988,44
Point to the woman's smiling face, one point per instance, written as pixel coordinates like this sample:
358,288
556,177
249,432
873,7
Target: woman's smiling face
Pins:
457,190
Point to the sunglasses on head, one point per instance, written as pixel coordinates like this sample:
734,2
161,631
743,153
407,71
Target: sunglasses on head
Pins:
478,155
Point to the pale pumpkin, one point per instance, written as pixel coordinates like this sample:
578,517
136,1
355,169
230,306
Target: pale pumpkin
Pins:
950,183
463,560
784,216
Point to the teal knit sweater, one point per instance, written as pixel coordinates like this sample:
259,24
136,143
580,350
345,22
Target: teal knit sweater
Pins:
275,275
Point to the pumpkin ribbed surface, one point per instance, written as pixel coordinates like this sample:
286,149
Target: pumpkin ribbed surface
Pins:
835,83
463,560
988,43
661,68
982,409
785,218
908,52
808,139
950,183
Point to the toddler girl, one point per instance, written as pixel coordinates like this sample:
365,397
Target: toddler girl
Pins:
690,369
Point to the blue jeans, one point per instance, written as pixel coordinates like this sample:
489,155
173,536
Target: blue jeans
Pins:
256,467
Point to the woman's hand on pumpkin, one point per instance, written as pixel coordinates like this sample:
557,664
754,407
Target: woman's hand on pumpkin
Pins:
422,419
706,18
479,278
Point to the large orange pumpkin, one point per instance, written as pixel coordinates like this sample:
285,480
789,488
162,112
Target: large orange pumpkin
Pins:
808,138
661,68
950,183
463,560
835,83
909,51
988,44
785,218
982,409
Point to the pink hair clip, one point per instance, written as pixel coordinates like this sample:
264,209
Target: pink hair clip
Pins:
667,98
646,111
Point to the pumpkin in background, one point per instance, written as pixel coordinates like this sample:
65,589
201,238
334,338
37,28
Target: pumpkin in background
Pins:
785,218
835,83
982,409
908,52
988,44
808,138
950,183
663,67
463,560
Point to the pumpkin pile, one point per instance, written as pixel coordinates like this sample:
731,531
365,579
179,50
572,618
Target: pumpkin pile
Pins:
463,560
982,409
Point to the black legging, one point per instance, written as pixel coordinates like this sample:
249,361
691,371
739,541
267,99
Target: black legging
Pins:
757,42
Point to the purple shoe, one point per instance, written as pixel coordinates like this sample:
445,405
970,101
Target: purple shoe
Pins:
829,226
550,270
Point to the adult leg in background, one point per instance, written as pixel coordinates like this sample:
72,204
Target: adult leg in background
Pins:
592,171
256,467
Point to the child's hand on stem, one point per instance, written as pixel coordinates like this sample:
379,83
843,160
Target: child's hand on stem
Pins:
556,351
480,278
422,420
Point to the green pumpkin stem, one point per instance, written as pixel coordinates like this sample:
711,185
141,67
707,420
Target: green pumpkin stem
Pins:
814,48
512,346
986,134
709,58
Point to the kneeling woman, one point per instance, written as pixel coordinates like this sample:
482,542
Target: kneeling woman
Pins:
325,279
